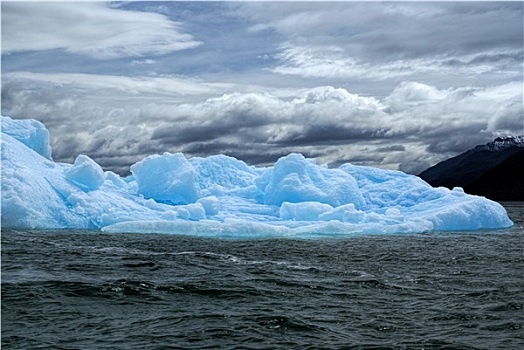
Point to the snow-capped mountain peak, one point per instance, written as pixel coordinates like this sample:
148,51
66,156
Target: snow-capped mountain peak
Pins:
501,143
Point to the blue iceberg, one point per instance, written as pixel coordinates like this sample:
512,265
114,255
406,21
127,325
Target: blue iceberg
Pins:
223,196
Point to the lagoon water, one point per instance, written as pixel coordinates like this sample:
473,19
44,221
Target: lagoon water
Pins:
90,290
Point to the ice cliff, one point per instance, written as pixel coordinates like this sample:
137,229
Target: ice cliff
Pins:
223,196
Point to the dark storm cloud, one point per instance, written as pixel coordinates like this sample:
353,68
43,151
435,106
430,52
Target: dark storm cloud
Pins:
392,148
426,124
428,29
201,149
363,158
211,124
260,154
179,135
415,40
416,82
267,156
456,141
329,134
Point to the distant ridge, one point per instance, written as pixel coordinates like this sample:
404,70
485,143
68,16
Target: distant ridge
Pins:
502,143
494,170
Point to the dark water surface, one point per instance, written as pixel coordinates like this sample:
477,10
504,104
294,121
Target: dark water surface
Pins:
88,290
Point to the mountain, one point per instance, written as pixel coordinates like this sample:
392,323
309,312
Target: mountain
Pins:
494,170
504,182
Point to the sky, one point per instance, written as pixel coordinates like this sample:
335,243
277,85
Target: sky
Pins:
395,85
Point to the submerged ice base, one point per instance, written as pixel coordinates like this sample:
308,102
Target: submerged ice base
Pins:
222,196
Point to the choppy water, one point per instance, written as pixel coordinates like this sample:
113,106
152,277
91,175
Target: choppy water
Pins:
87,290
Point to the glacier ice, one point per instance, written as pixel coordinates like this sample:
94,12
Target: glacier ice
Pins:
295,179
31,133
86,173
168,178
222,196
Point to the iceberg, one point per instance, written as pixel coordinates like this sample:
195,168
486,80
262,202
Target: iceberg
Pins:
221,196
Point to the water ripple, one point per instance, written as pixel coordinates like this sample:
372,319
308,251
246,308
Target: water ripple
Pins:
72,290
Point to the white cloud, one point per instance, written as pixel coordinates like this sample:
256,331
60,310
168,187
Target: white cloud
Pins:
444,76
141,62
114,86
450,121
335,63
119,120
394,29
439,43
91,29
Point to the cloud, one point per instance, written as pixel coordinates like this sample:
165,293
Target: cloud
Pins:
422,41
157,87
390,84
451,121
393,31
321,116
119,120
91,29
140,62
335,63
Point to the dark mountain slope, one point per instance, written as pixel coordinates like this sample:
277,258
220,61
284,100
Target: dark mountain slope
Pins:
504,182
470,169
